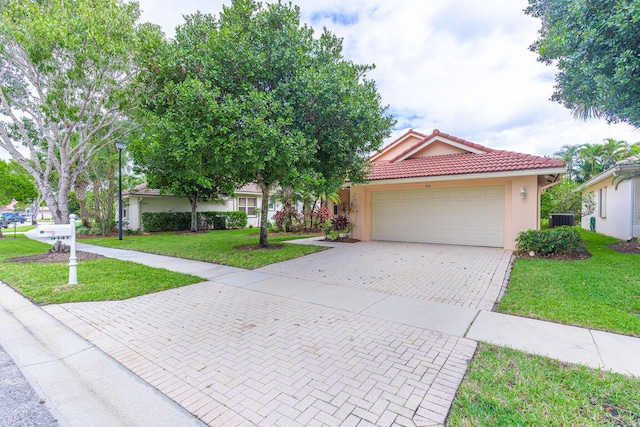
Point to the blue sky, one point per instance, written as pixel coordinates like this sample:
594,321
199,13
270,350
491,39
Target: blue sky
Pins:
461,66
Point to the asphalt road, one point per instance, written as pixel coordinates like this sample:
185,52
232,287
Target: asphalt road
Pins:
20,406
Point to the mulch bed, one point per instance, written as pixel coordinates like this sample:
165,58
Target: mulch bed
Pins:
341,240
624,247
580,253
52,256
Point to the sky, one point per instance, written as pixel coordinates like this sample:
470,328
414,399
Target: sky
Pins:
460,66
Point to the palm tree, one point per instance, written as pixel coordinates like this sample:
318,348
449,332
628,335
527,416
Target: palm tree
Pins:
569,155
614,151
590,160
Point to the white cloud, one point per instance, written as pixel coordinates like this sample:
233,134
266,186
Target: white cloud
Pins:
462,66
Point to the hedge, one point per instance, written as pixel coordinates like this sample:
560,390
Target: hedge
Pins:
180,221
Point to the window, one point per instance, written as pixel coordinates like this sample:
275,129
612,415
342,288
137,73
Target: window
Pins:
602,202
247,205
272,205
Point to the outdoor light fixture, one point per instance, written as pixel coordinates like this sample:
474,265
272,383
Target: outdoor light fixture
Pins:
120,146
523,192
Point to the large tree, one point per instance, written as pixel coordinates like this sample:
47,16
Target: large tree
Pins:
294,109
178,149
65,65
594,44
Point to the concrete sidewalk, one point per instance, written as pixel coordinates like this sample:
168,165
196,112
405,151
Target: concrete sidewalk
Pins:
84,386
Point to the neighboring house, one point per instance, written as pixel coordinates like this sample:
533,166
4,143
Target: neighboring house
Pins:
616,210
143,199
441,189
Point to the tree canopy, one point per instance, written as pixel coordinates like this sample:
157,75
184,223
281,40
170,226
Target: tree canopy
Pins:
65,70
266,101
177,150
584,161
594,44
15,184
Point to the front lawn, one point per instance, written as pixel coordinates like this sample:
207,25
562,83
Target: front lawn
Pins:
505,387
219,246
100,279
602,292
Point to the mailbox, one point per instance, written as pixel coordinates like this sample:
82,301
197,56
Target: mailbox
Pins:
53,232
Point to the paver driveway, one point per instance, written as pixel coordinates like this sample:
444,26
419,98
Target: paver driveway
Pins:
466,276
237,356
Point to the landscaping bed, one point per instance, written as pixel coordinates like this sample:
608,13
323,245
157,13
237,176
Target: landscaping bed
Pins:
51,256
626,247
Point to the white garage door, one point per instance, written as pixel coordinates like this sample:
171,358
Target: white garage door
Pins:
463,216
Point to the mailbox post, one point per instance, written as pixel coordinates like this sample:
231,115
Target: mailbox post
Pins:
63,232
73,259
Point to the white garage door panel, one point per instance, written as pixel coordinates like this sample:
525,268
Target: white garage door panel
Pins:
464,216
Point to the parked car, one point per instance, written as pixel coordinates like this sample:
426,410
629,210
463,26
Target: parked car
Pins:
4,223
13,217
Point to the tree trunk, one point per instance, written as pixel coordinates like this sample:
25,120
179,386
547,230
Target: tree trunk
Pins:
84,214
264,212
193,199
80,187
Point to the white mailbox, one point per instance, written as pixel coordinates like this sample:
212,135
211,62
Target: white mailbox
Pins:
53,232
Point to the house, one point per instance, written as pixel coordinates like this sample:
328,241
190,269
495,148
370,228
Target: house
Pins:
143,199
438,188
613,204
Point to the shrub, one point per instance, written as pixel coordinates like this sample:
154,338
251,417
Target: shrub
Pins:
561,240
166,221
235,219
320,217
340,222
288,219
180,221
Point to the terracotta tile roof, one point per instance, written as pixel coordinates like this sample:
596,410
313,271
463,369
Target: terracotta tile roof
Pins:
436,132
461,164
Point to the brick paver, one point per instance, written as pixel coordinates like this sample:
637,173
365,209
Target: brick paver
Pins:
465,276
236,357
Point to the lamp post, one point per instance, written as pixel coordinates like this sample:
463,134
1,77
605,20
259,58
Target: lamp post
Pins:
120,146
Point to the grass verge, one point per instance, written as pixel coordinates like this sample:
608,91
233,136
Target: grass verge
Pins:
602,292
505,387
100,279
215,246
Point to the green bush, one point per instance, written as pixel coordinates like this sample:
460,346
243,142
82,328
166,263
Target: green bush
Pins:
166,221
560,240
235,219
181,221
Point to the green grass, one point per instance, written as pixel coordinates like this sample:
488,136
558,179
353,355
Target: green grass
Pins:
19,228
505,387
215,246
602,292
99,280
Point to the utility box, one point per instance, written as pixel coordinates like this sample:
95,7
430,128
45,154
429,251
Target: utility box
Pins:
557,220
53,232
